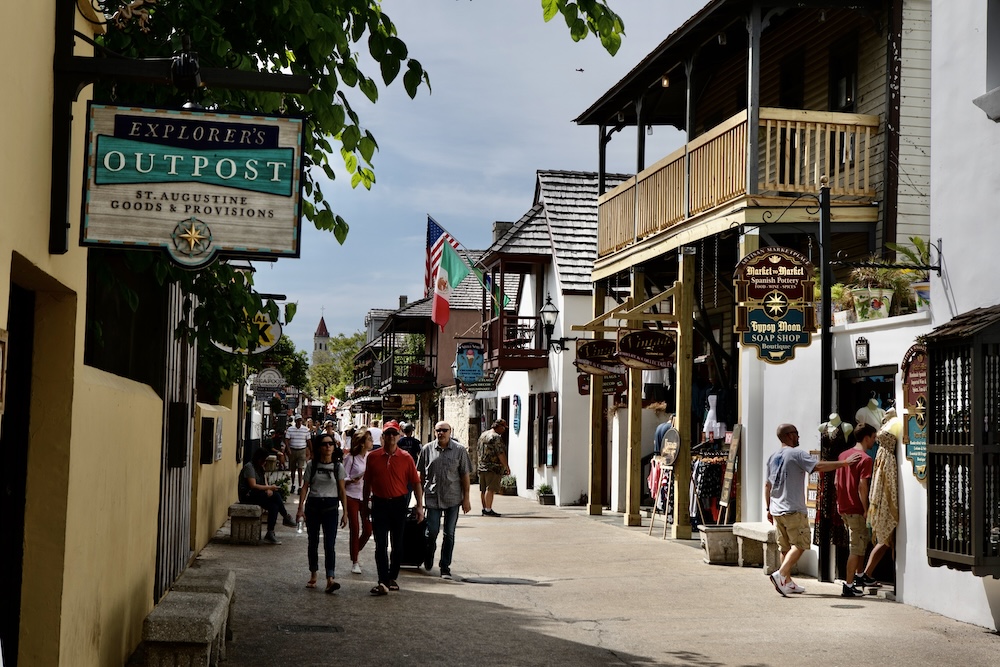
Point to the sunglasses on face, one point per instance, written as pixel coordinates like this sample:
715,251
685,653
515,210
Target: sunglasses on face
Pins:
441,430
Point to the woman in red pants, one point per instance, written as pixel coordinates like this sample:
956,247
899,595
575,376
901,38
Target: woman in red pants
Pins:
357,511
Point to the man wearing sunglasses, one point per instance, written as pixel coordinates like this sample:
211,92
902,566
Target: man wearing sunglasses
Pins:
444,467
389,474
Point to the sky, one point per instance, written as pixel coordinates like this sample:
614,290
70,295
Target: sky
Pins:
505,88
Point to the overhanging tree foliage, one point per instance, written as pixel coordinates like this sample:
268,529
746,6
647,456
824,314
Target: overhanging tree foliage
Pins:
321,39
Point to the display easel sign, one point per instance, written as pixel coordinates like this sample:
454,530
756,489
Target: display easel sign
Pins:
728,480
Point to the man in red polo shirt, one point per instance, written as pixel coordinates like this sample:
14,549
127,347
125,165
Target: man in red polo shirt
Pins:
389,476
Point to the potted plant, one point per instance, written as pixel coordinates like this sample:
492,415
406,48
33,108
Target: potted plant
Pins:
508,485
545,495
918,253
875,287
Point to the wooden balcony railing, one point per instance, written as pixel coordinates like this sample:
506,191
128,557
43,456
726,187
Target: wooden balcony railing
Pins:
403,372
796,148
515,343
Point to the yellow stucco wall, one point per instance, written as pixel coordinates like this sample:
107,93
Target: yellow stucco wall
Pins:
213,485
91,504
111,521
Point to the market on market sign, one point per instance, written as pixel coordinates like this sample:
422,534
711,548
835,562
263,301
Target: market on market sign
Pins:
774,290
196,184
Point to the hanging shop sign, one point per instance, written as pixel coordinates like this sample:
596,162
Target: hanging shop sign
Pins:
774,290
914,368
269,333
610,385
268,382
598,357
646,349
486,383
517,414
469,362
196,184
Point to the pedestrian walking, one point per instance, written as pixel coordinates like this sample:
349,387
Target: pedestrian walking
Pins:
358,517
408,443
444,468
298,440
319,501
853,484
387,475
492,464
785,496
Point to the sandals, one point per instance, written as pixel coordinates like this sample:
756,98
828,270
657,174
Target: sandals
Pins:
380,589
311,583
332,586
393,586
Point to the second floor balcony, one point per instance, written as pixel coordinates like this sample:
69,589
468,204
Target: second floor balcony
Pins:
712,178
407,372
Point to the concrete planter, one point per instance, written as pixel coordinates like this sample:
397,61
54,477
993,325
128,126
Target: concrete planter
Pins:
719,545
546,499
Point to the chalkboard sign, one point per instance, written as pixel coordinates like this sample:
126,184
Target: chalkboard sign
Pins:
731,462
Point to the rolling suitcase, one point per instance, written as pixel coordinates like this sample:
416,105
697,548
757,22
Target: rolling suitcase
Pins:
413,540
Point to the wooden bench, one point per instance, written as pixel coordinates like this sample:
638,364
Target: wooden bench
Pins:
756,545
212,580
185,629
244,523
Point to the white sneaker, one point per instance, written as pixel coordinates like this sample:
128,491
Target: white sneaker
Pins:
356,569
779,585
794,587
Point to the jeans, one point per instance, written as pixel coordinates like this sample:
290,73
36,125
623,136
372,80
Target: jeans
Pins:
434,525
360,525
322,513
388,520
272,504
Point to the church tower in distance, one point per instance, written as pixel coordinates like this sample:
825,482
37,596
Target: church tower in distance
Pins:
321,344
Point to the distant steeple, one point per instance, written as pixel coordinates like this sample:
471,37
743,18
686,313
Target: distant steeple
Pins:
321,344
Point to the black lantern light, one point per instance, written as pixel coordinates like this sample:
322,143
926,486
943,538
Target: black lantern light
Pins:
549,314
861,351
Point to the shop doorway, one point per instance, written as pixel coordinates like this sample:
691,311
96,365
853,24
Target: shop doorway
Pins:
14,473
855,390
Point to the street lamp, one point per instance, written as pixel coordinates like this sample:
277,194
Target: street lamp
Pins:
549,314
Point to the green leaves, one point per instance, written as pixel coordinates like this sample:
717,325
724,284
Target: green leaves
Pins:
588,17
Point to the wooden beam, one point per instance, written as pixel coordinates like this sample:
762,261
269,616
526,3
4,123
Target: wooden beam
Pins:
633,487
595,504
682,419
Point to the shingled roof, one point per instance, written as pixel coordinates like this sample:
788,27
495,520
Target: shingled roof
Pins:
562,224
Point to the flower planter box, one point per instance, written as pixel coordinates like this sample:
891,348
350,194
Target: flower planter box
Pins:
546,499
508,490
871,303
922,295
719,545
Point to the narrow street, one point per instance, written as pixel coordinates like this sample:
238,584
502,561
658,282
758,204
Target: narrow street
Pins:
553,586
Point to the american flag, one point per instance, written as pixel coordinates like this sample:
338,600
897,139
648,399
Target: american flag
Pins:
436,237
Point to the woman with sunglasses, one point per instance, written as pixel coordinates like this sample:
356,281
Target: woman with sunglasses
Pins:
357,511
319,500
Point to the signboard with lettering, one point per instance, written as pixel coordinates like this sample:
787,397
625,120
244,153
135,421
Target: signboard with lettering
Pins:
914,369
774,289
469,362
611,384
598,357
193,183
269,333
646,349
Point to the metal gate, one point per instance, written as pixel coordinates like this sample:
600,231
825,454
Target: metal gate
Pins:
173,542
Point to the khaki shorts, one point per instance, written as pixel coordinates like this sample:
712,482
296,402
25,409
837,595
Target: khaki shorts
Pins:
297,458
860,535
793,531
489,480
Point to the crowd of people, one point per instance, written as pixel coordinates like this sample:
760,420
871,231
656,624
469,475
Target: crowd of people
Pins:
366,480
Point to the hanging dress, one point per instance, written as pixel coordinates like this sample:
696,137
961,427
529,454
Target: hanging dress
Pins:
833,441
883,500
712,424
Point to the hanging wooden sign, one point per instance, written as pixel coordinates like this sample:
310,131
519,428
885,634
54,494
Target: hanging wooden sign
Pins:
196,184
914,369
774,289
647,349
598,357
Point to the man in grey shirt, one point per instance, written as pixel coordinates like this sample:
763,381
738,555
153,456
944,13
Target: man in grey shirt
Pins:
444,467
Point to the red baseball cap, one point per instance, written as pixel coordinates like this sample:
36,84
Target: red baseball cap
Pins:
391,425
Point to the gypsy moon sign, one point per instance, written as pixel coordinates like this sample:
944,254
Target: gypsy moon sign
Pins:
195,184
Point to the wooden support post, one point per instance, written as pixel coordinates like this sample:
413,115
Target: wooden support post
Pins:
634,483
683,308
595,504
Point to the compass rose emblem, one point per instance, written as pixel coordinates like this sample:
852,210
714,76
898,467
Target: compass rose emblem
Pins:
775,305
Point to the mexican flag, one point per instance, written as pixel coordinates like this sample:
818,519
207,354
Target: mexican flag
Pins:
451,269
